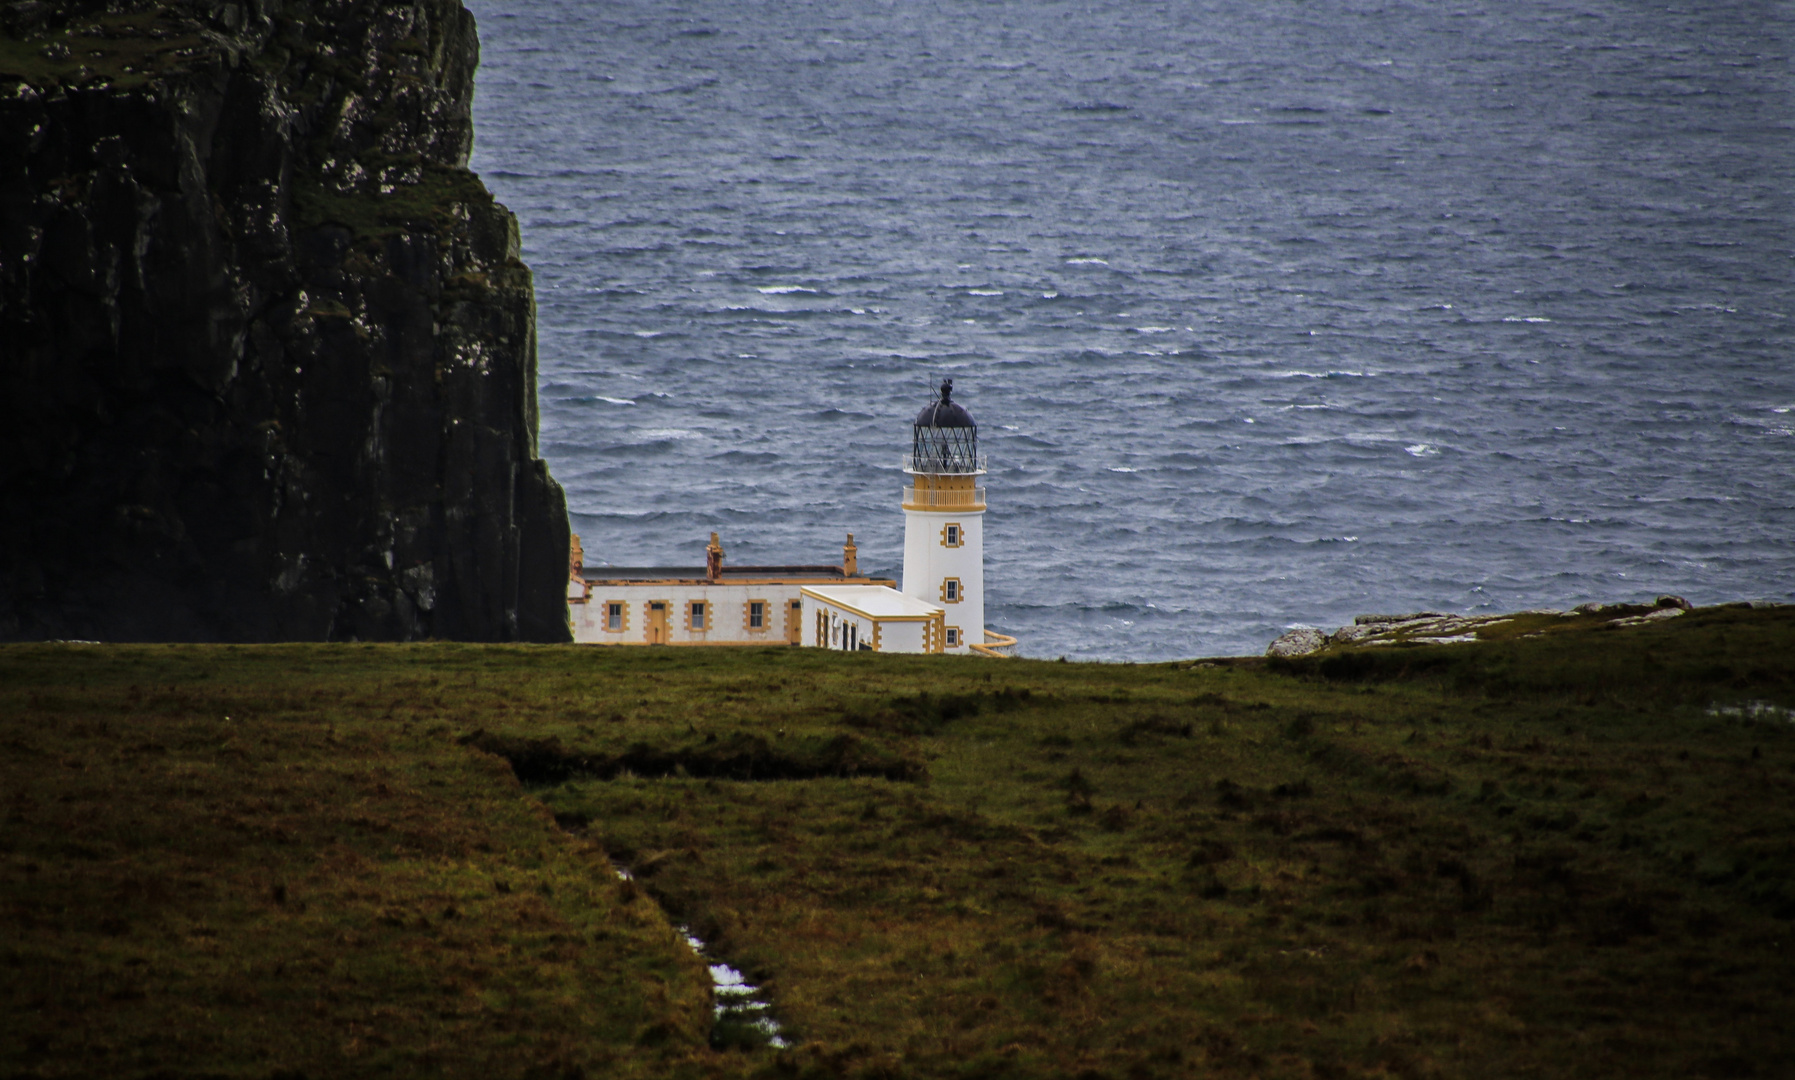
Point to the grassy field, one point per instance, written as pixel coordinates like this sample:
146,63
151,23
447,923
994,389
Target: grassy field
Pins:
1570,854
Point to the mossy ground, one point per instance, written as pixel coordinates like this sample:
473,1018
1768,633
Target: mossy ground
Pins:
126,50
1567,855
122,49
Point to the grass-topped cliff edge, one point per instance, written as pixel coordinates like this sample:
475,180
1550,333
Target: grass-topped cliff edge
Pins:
1564,855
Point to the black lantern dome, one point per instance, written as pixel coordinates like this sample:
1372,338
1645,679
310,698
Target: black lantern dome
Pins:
945,438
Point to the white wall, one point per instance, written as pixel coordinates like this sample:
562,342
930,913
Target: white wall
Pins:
725,610
834,620
894,635
901,637
927,562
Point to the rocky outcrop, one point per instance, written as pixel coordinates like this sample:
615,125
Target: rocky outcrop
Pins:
1298,642
267,350
1435,628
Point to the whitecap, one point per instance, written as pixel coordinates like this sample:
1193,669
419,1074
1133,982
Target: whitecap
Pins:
1154,329
647,333
658,434
1420,449
1321,374
616,400
1121,468
1050,296
1525,318
781,290
1085,260
984,292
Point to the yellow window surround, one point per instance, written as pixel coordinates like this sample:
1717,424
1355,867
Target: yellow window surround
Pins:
621,607
951,591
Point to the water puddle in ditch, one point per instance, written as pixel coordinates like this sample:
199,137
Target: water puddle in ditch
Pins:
741,1016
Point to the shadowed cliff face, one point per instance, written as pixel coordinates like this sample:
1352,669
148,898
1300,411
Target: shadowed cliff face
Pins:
267,351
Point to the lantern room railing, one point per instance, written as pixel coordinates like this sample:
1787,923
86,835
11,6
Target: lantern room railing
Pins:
946,465
966,498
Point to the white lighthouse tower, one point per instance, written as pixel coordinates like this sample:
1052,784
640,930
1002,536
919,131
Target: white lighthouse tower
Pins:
944,520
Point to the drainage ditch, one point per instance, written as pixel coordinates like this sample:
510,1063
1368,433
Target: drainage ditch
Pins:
741,1015
739,757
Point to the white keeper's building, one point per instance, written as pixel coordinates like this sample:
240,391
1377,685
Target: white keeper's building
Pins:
939,609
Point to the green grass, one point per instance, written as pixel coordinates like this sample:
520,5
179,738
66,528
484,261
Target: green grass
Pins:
1563,855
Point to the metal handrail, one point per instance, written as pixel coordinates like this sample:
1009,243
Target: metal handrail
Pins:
945,497
955,465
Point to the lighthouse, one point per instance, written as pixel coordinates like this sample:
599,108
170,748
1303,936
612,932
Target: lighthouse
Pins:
944,520
941,608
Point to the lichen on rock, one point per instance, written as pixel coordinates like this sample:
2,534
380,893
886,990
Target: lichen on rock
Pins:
1299,642
269,349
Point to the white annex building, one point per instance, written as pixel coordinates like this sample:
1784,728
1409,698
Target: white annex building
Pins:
940,608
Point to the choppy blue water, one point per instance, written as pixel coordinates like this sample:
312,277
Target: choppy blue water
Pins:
1271,313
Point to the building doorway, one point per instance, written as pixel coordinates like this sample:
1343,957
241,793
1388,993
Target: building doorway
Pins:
657,622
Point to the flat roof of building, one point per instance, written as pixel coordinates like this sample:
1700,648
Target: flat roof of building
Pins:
697,573
874,601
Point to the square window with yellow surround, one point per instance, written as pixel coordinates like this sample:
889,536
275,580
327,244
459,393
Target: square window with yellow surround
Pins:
616,616
953,637
951,592
952,535
754,616
696,613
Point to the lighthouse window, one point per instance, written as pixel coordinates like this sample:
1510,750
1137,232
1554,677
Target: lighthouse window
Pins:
757,614
613,616
952,535
953,637
950,591
697,615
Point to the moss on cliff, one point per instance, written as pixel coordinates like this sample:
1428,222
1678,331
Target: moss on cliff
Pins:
272,365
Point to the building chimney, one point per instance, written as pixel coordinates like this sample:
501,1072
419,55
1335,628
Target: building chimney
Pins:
576,557
713,560
850,558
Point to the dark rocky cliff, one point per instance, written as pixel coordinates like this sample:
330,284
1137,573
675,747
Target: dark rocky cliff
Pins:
267,351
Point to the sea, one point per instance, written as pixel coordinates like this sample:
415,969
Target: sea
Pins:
1271,313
